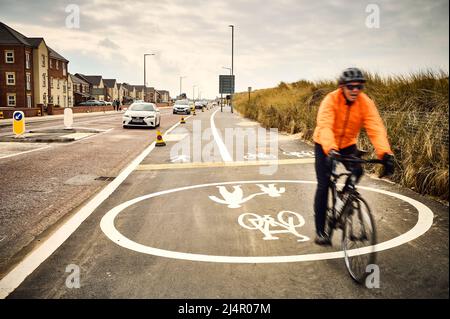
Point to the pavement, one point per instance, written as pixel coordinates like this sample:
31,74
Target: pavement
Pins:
191,224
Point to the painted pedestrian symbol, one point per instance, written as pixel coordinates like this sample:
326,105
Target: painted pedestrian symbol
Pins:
287,222
235,198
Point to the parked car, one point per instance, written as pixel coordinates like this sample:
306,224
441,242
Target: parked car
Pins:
108,103
91,103
182,106
142,114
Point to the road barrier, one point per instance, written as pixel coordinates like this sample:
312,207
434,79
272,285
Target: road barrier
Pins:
159,139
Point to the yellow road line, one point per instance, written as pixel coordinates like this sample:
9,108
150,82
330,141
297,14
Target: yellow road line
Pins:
151,167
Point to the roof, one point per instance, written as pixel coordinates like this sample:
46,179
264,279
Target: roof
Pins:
11,36
76,79
128,86
139,87
92,79
56,55
109,82
35,41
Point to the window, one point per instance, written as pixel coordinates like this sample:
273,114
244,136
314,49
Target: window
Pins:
27,60
57,64
64,87
9,56
51,82
64,68
11,99
43,80
65,101
44,97
43,60
28,100
58,101
57,84
10,78
28,81
51,63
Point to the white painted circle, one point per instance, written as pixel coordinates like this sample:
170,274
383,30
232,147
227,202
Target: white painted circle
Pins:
424,222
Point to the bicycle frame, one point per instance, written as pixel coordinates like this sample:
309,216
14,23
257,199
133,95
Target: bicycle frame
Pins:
349,190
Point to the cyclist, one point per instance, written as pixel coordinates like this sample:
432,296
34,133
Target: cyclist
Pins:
341,115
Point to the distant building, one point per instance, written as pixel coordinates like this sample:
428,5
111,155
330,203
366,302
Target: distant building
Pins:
111,91
96,86
80,89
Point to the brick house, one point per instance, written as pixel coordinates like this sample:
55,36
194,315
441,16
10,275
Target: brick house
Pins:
32,74
16,69
96,86
163,96
80,90
111,89
57,78
139,92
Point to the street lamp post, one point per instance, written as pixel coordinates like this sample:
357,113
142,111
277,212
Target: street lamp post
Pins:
232,62
193,92
224,67
145,82
181,79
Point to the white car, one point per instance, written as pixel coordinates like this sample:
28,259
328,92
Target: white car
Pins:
142,114
182,106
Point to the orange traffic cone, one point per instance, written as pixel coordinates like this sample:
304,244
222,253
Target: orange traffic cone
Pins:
159,139
182,121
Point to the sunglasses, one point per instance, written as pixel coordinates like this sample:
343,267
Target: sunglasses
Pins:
351,87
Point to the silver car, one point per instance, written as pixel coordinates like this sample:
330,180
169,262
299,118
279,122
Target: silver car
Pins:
182,106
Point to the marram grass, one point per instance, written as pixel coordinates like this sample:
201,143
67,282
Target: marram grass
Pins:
414,108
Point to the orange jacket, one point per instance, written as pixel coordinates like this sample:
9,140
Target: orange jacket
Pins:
338,124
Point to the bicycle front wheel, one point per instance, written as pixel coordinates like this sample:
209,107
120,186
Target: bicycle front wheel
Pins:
358,240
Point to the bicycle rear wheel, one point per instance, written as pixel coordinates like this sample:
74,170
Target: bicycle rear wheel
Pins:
358,240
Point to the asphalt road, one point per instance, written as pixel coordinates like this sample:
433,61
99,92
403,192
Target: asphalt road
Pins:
168,229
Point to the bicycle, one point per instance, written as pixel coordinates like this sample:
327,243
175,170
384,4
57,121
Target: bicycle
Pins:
351,213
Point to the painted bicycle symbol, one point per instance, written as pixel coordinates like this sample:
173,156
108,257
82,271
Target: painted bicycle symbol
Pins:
288,222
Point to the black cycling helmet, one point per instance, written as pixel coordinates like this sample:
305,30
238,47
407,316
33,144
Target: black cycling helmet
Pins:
352,75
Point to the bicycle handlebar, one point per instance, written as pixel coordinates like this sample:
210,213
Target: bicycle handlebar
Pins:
354,159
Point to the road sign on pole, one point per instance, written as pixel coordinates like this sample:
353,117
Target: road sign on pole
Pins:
18,123
226,84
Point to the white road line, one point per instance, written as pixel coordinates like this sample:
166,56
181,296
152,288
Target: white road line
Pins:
16,276
424,222
226,157
25,152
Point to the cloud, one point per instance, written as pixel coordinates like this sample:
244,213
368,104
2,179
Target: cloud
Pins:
107,43
283,40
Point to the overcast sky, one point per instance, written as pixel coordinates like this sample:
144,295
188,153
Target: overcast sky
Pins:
276,40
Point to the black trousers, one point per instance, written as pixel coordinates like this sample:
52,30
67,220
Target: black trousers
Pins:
323,173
